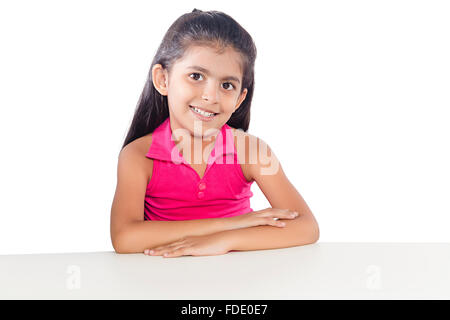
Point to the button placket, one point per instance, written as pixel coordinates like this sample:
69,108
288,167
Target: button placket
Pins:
201,186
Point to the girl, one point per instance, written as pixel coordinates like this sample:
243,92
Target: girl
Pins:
171,203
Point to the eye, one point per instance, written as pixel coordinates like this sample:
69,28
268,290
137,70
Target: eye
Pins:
230,85
195,74
198,74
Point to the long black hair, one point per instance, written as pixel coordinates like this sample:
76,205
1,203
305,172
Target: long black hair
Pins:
211,28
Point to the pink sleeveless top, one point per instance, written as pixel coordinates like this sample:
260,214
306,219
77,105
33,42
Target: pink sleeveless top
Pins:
175,190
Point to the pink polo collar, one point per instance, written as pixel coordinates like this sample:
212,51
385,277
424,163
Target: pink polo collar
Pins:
164,148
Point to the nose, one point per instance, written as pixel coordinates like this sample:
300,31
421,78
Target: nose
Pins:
210,92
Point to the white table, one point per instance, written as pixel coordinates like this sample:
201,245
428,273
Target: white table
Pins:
318,271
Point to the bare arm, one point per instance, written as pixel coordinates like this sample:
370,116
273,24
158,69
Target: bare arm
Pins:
139,235
151,234
279,191
300,231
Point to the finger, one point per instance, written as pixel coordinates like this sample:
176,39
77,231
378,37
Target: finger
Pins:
153,252
176,253
157,251
280,224
171,249
279,213
293,214
286,214
275,223
161,249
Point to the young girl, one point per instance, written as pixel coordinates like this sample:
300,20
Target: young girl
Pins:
170,202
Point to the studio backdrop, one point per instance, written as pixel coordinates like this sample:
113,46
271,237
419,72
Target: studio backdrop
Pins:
352,96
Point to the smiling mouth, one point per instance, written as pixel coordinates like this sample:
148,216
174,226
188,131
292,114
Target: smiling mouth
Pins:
193,108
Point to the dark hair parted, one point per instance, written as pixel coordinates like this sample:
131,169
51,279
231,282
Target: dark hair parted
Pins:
205,28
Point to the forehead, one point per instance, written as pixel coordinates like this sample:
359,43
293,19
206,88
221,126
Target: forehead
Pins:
222,63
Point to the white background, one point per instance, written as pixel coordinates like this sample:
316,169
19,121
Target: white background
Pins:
352,96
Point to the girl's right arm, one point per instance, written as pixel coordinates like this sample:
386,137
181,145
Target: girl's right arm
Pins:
130,233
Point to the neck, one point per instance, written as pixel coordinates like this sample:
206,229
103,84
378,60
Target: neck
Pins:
187,143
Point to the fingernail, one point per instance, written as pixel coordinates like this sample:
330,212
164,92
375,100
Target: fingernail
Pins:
146,251
152,252
166,254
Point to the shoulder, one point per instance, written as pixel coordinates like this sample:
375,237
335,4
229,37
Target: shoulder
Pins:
253,153
137,148
134,154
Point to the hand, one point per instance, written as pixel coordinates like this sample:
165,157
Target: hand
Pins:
205,245
267,216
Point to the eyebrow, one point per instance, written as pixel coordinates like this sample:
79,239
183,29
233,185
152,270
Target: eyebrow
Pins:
208,73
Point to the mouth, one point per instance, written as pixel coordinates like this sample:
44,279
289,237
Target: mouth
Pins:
203,113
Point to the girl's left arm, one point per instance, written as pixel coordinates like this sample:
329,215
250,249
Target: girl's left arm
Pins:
279,191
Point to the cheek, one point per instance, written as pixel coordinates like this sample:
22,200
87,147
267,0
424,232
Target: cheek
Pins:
181,97
229,104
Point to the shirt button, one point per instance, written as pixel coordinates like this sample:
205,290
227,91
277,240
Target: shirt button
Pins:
202,186
201,195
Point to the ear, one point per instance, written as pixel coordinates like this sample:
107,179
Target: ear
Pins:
241,99
160,79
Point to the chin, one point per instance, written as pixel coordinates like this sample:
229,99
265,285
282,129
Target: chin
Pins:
207,129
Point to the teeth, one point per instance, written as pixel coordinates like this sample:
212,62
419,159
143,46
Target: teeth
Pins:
203,113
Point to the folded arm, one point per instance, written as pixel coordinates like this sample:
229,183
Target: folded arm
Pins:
300,231
137,236
279,191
